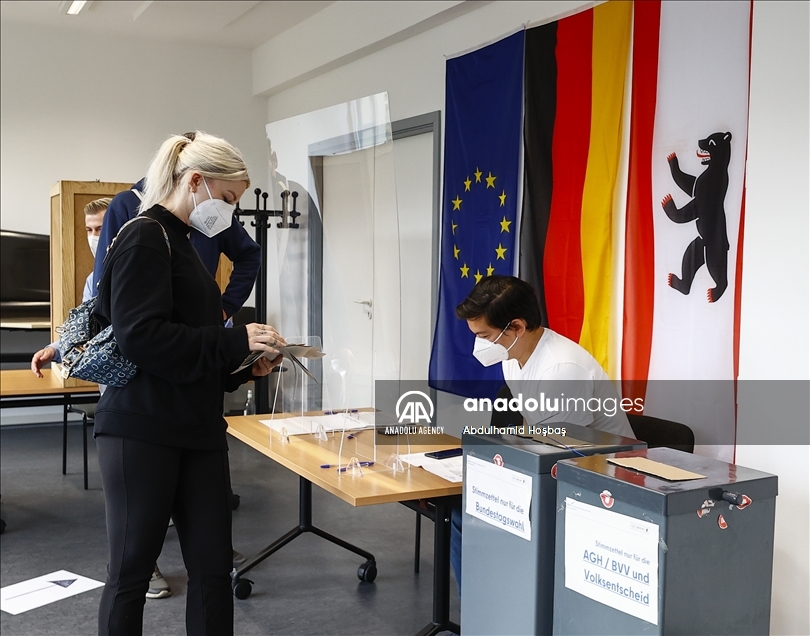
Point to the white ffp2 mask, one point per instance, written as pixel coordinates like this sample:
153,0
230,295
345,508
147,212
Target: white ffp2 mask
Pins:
489,353
92,241
212,216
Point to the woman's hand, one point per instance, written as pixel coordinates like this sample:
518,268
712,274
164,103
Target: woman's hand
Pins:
41,358
263,366
264,338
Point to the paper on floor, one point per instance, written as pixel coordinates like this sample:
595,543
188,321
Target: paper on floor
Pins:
34,593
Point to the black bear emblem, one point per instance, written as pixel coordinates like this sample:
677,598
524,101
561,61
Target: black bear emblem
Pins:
708,192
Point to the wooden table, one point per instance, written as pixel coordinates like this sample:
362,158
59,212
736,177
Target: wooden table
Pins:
304,455
20,388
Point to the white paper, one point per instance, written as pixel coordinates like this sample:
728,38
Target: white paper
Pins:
414,459
612,558
500,496
28,595
307,424
451,469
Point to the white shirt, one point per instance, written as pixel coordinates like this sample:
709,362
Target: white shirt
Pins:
560,373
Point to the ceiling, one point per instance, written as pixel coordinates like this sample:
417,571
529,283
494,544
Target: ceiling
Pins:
234,23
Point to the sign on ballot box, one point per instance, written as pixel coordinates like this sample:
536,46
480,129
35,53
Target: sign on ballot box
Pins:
612,558
499,496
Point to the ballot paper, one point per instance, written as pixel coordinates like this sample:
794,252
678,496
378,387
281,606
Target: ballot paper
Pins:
308,424
292,352
451,469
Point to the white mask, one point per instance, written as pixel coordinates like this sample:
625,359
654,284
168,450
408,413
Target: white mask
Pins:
212,216
489,353
93,242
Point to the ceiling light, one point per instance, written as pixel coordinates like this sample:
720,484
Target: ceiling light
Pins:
77,6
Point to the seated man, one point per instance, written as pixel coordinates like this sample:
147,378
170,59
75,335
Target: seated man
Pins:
504,314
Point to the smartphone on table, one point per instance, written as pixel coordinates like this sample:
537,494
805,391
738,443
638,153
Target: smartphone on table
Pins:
445,454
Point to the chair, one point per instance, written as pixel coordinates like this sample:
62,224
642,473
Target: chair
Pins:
662,433
88,413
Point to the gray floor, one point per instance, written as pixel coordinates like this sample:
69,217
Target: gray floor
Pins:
310,587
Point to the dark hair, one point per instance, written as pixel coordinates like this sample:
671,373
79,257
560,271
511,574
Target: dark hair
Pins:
501,299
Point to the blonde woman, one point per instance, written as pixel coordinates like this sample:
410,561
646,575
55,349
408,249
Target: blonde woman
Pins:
161,439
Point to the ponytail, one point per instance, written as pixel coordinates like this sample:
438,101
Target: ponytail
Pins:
211,156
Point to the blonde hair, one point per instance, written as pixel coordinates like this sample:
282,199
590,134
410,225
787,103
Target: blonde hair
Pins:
97,207
211,156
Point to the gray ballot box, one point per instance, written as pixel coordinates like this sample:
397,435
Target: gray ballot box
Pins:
509,504
646,549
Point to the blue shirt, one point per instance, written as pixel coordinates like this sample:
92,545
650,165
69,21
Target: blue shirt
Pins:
234,242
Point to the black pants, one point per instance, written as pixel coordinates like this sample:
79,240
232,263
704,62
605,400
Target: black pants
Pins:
144,484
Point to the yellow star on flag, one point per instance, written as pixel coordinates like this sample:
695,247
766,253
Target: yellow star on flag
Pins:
456,252
500,251
502,197
456,203
491,181
465,271
454,226
490,270
477,174
467,185
478,276
505,225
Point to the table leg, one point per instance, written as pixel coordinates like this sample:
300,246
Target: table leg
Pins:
441,571
367,571
64,435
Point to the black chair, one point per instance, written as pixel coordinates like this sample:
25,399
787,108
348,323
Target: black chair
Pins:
660,433
88,413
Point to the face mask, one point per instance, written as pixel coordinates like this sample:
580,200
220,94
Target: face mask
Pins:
211,216
489,353
93,242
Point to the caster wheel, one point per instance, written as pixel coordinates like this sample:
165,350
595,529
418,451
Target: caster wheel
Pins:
367,572
235,501
242,588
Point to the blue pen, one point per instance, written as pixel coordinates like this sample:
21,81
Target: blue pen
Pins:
364,464
353,435
342,469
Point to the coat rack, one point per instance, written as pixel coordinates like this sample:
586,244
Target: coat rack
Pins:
260,217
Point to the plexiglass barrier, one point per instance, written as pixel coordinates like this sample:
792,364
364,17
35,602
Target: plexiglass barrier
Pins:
334,269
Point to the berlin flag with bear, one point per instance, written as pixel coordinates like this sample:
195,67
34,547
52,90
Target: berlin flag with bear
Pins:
686,181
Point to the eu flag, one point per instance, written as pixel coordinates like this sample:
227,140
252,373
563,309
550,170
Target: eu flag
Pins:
484,96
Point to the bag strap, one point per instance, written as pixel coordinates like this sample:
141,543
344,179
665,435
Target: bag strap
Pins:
163,229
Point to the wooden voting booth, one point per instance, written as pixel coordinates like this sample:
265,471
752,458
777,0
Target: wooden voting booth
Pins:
71,259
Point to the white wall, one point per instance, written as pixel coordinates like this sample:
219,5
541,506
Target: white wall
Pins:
83,107
775,321
774,337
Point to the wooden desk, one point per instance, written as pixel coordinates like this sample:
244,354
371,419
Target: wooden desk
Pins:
20,388
304,455
22,383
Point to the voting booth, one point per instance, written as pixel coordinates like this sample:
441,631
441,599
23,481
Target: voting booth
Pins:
663,542
509,504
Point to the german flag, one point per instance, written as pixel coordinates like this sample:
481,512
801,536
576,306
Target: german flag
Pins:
575,71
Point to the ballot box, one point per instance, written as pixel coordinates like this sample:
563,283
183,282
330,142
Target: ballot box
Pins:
662,542
509,504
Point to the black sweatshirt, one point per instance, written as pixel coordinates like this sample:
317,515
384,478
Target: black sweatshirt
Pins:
166,312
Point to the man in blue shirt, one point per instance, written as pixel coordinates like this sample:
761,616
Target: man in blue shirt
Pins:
235,243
